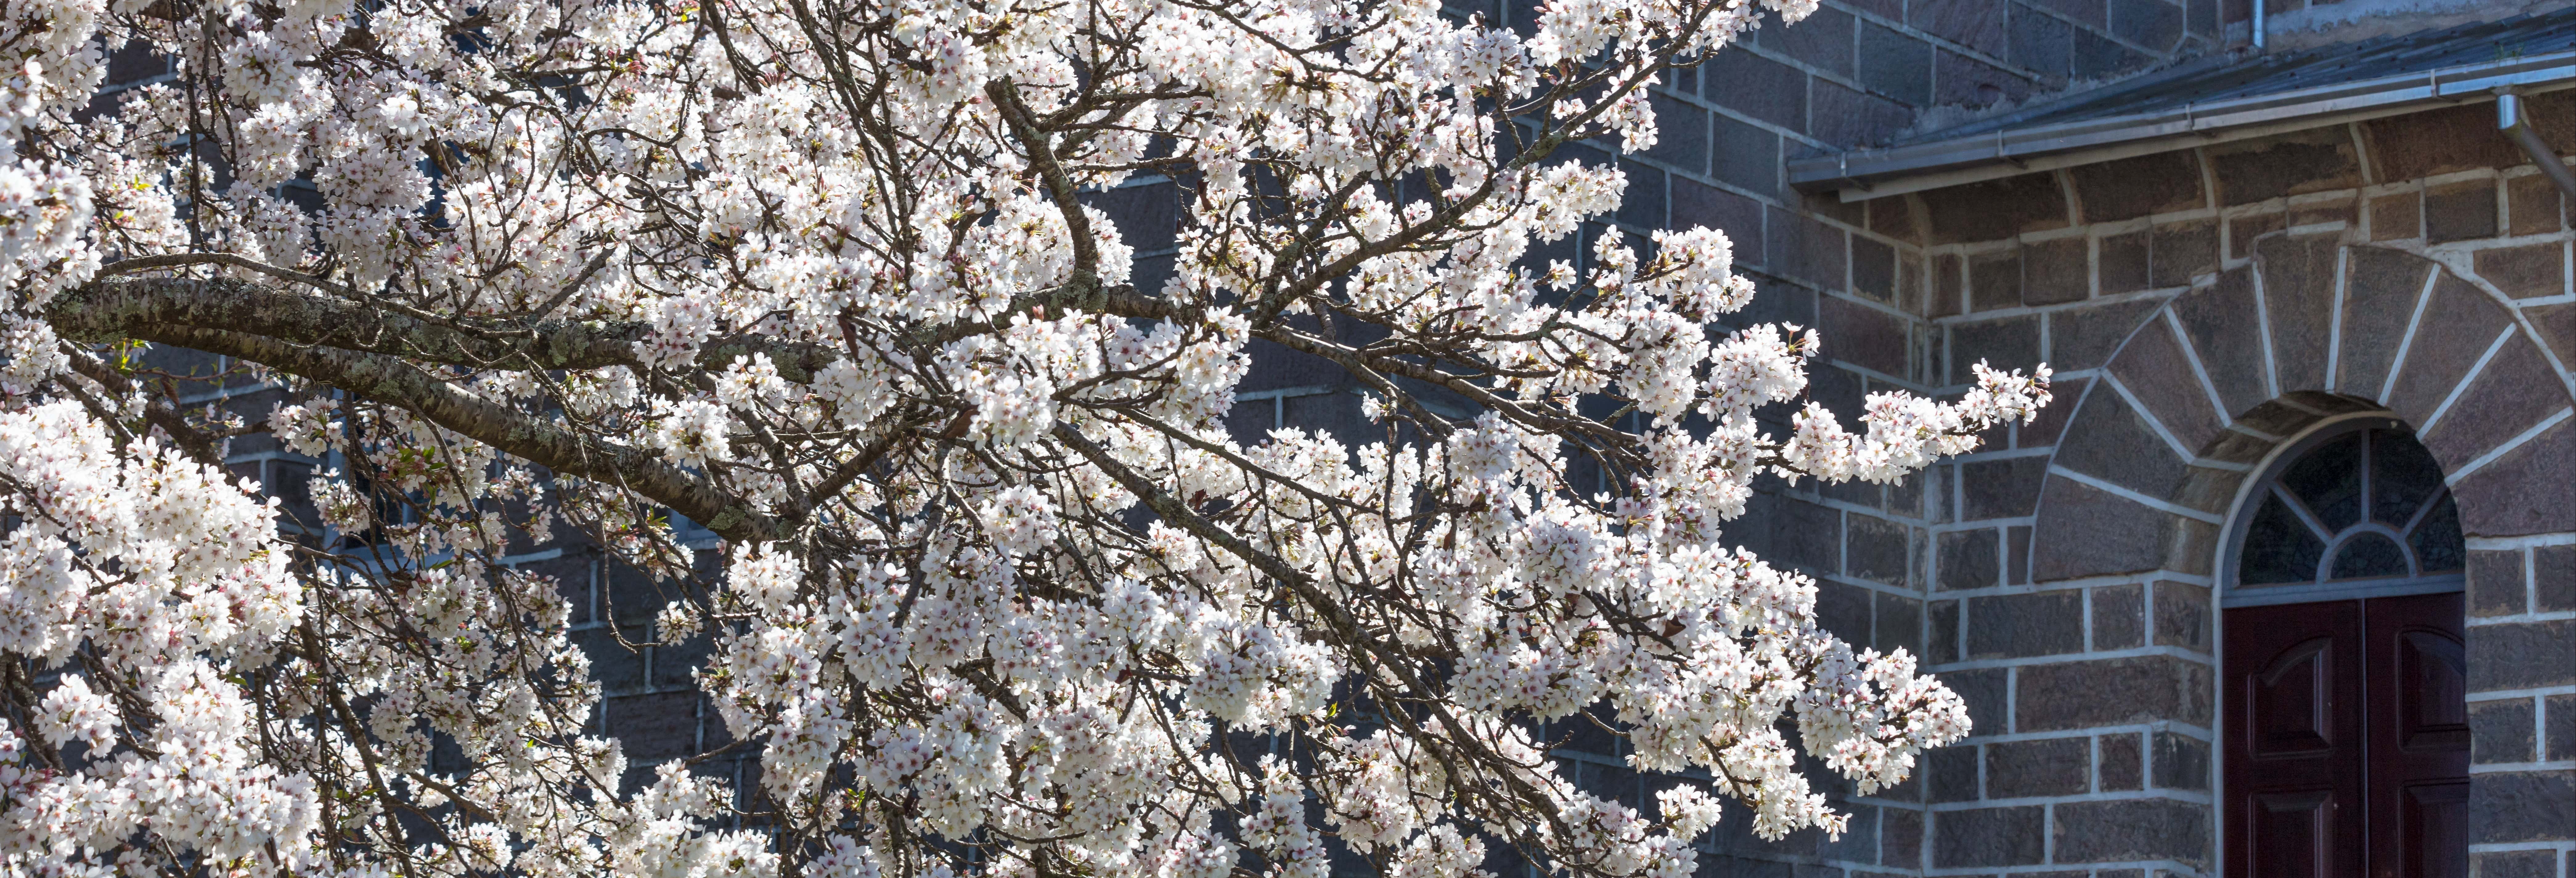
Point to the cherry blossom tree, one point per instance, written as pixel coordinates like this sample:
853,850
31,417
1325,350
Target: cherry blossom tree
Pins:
1000,594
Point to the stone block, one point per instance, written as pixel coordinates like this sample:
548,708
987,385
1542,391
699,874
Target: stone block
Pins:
2230,348
2558,722
1873,269
1846,117
2134,187
1994,281
2522,655
617,668
2516,806
1681,134
2381,289
2024,625
1699,204
2530,271
2439,141
2182,616
2524,491
2156,369
2132,829
2497,584
1988,837
1950,773
1970,559
1900,625
1900,838
2458,325
2514,864
2006,343
2123,762
1896,64
1823,40
1988,693
1745,155
2182,761
1810,536
1995,209
2057,271
2460,211
1804,249
2181,251
2333,212
2553,578
2049,767
675,664
2081,694
2042,45
658,726
2296,163
2084,338
2094,56
1941,624
2083,531
1645,203
2397,216
2532,205
2067,394
2119,617
1976,24
1877,549
2502,731
2005,488
1757,87
2017,554
2123,262
1949,287
1864,336
2298,302
2508,396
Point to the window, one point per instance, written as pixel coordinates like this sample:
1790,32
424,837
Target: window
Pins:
2352,512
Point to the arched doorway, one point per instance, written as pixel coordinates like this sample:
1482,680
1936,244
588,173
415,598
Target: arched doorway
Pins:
2344,674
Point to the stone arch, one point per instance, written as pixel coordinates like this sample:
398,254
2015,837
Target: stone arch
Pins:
2219,377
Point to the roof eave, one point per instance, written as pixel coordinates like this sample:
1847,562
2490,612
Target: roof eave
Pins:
1864,174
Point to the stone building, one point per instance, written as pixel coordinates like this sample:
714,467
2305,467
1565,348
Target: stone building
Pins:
2284,584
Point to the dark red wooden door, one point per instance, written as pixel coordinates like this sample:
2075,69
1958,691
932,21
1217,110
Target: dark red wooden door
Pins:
2347,742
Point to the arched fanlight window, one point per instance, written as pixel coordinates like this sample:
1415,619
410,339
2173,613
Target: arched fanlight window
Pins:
2356,510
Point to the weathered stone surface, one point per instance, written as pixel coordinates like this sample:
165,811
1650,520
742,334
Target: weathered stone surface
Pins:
2243,231
2557,327
1900,838
1970,559
1823,40
2087,532
1699,204
2530,271
1950,774
2132,829
2044,430
1988,693
2182,616
2057,271
2513,806
2124,762
1975,24
1803,248
2005,343
1994,281
2111,442
2460,211
1995,209
2230,346
2559,712
2532,205
1900,624
2050,767
1988,837
2083,338
2005,488
661,725
2514,864
2043,45
1845,117
1873,269
2497,584
1949,287
2501,731
1644,205
2024,625
2181,251
2381,289
2338,211
2298,300
2017,554
2081,694
1961,81
2182,761
2458,325
1868,337
1896,64
2442,141
1810,536
2525,490
2397,217
2514,391
2155,24
2123,262
2522,655
1758,87
1745,155
2119,616
2288,164
618,669
1877,550
2135,187
2553,578
2156,369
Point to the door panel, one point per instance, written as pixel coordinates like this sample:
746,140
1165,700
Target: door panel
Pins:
2418,745
2294,760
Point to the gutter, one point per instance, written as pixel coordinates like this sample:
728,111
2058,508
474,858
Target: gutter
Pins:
2511,120
1863,174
